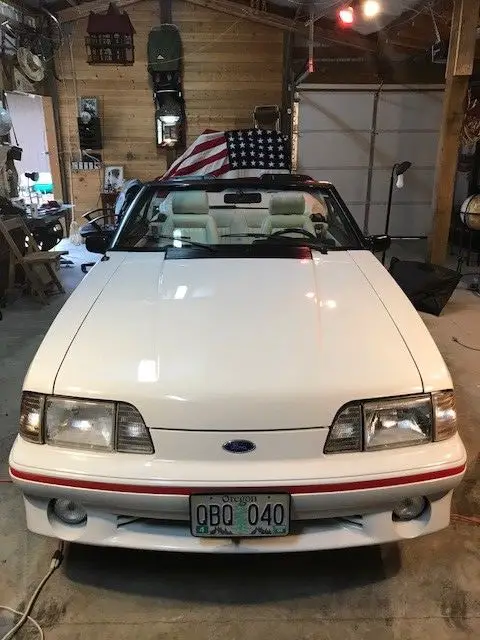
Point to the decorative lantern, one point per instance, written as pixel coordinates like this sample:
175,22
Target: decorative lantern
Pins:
165,67
110,38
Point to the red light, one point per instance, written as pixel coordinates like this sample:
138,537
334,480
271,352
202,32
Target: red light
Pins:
346,15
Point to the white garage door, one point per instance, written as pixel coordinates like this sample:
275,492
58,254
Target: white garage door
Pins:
335,143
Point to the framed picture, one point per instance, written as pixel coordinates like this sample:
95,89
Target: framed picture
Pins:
113,180
88,105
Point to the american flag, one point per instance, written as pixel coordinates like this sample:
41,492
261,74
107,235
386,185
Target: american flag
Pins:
233,154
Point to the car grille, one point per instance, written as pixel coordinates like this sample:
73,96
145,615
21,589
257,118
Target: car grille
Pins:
296,528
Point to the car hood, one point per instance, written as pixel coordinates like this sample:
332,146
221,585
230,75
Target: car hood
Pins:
242,344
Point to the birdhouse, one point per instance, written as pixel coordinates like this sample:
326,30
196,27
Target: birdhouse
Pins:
110,37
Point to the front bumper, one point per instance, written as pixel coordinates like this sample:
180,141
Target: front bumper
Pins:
342,509
106,528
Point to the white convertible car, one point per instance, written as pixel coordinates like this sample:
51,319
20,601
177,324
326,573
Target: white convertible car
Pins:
238,373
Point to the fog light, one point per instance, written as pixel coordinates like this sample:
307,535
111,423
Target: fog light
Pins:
410,508
68,511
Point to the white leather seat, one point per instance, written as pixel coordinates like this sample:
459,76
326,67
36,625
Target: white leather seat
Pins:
254,214
229,223
253,219
237,219
287,211
190,218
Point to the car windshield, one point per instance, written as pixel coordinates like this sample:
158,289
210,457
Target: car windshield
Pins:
209,217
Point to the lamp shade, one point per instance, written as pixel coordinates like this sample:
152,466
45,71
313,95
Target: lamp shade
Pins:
402,167
170,110
170,121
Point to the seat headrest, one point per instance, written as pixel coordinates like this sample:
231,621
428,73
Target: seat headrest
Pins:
284,204
192,202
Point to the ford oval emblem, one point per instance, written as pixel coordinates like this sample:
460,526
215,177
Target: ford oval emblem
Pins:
239,446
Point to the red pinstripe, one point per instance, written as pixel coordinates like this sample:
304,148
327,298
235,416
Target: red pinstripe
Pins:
186,491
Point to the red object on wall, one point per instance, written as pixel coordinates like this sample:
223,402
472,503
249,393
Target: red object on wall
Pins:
347,16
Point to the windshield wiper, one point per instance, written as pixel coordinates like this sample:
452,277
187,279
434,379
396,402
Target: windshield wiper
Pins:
192,243
311,243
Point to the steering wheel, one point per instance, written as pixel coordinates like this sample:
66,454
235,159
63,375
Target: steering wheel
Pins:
303,232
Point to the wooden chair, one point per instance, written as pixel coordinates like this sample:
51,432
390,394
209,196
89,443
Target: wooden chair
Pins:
31,259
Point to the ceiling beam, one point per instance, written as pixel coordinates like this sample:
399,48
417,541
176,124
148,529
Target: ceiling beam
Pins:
409,43
299,27
83,10
238,10
165,10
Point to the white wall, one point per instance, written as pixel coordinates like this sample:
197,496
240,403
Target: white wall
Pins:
27,116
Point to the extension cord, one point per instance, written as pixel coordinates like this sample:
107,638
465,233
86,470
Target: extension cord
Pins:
55,562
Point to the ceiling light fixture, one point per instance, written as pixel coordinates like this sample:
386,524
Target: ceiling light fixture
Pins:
346,16
371,8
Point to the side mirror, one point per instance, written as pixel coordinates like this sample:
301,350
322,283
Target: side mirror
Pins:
97,243
379,244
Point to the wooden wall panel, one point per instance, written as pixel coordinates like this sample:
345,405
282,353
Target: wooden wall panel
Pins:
85,189
230,66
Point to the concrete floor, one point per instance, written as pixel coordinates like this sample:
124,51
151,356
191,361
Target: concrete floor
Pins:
426,588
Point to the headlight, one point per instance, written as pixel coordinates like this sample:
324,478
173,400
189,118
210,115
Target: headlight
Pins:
397,423
393,422
83,424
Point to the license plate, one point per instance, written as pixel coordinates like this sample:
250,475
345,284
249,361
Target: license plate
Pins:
240,515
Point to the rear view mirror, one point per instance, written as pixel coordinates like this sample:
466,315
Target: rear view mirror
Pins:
379,244
242,198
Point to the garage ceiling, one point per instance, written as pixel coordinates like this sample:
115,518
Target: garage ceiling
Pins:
328,9
404,24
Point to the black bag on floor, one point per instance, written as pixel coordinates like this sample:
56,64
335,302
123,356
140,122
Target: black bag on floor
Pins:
428,286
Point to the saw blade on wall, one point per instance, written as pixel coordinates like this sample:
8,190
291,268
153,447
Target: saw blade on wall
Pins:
30,64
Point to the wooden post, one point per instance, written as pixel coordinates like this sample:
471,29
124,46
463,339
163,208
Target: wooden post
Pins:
459,69
165,11
165,8
52,146
287,86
